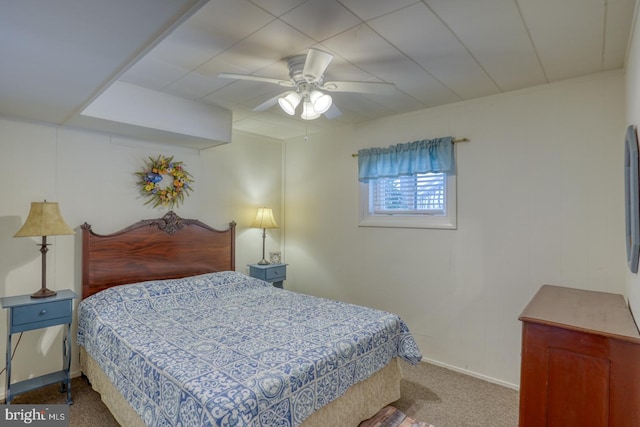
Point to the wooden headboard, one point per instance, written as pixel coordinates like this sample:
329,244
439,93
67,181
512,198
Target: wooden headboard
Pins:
152,249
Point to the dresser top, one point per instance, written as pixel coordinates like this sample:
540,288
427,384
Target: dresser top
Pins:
593,312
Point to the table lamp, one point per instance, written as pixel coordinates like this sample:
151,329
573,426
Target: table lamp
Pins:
264,219
44,220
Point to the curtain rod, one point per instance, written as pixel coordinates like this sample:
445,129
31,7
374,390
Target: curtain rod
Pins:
454,141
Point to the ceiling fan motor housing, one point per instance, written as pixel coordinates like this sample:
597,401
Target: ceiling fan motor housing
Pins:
296,66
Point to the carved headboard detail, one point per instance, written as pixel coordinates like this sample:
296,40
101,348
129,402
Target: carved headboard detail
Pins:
152,249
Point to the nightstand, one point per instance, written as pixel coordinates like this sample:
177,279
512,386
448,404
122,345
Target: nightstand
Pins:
26,314
273,273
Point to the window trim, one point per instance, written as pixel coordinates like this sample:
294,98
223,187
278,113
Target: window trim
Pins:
447,221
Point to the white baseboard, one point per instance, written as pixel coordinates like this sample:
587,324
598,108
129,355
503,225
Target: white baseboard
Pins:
473,374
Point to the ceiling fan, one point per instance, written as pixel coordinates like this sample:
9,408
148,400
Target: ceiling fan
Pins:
306,80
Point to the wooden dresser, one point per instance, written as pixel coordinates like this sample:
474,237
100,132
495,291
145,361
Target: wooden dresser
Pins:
580,360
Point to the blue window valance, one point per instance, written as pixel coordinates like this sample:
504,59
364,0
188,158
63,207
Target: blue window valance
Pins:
428,155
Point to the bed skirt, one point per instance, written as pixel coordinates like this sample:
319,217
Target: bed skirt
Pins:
360,402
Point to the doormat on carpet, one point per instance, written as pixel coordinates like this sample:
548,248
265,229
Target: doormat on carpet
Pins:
392,417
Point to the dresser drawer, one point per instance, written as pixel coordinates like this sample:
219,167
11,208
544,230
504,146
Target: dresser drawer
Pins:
37,316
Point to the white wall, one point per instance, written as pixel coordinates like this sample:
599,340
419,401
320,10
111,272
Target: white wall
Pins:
239,178
92,176
540,201
632,81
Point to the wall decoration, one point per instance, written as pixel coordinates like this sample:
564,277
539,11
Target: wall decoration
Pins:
164,182
632,198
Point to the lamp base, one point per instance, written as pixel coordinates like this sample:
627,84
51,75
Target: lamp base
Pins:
43,293
263,262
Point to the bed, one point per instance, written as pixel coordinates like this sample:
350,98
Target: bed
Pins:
171,334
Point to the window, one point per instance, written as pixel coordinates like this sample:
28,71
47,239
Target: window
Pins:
423,200
411,185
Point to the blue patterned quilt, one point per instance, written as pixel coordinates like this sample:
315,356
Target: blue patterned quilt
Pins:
225,349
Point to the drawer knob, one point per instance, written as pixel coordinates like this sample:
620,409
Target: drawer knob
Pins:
43,312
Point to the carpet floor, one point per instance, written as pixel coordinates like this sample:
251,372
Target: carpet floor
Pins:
446,398
87,409
429,393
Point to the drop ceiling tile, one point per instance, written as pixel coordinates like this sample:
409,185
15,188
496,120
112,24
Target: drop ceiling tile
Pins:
340,68
267,46
195,86
277,7
369,9
243,92
209,32
418,33
363,105
348,117
398,102
364,48
329,18
367,49
277,70
263,94
494,34
567,47
153,74
617,29
423,87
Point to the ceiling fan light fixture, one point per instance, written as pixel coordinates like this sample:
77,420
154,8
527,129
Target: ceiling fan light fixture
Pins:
308,112
321,101
290,102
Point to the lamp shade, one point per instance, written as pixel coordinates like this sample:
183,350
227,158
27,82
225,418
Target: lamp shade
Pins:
44,219
264,219
290,102
308,113
321,101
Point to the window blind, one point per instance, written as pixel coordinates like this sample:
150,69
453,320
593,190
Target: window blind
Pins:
413,194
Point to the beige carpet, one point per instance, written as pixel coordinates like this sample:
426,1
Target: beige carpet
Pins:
446,398
87,409
430,393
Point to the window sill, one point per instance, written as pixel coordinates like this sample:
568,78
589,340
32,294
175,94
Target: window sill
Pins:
440,222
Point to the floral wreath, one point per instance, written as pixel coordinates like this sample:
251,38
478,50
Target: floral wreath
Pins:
152,176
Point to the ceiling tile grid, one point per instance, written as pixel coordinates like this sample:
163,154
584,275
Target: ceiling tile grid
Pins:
434,52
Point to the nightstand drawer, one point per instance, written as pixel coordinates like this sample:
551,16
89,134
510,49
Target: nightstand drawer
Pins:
276,273
40,315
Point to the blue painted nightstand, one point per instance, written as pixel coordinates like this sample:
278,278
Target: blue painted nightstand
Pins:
273,273
26,314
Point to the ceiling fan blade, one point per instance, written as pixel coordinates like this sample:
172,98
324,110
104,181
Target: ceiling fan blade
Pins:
285,83
268,103
360,87
315,65
332,112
